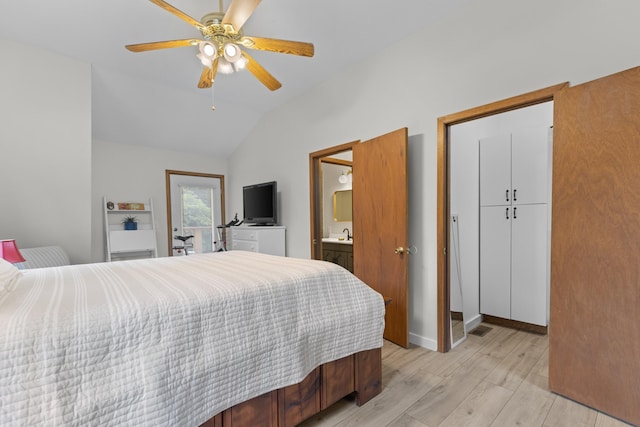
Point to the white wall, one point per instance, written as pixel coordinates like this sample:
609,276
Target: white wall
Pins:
53,176
129,173
491,50
45,150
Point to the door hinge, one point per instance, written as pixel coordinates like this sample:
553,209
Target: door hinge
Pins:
444,251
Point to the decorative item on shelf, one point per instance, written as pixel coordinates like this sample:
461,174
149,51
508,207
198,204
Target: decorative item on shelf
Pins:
130,223
130,206
110,206
9,251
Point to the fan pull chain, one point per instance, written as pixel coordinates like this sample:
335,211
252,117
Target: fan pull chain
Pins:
213,107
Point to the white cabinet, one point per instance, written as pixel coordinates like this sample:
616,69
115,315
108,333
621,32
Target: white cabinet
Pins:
513,262
514,168
529,256
514,248
495,258
129,244
267,240
495,170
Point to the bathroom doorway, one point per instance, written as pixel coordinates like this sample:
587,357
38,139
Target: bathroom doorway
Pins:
380,221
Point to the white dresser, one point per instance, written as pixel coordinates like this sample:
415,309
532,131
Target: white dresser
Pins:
263,239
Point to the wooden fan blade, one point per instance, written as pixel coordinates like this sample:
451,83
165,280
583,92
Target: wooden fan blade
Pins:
143,47
180,14
261,74
280,46
205,79
208,75
238,13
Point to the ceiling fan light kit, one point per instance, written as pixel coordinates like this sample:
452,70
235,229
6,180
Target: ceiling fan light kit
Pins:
224,66
208,49
231,52
220,50
208,52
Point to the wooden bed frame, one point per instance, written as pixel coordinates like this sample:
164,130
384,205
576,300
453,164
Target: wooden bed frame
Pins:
359,373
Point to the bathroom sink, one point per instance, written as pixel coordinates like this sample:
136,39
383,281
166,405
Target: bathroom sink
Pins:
341,240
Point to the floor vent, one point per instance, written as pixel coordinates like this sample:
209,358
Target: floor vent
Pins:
480,330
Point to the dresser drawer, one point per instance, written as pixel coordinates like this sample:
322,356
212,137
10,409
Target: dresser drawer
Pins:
244,245
244,234
263,239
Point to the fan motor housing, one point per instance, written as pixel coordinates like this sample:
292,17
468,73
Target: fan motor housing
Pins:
213,28
213,18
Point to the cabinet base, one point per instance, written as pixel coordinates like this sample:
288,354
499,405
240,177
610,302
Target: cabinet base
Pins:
515,324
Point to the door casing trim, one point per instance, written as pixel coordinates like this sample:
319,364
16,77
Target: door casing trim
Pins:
443,208
167,180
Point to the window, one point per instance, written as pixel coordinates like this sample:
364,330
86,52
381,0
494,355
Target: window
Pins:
196,207
197,216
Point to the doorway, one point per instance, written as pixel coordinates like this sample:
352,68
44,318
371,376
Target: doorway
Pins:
317,210
337,210
380,221
444,221
195,207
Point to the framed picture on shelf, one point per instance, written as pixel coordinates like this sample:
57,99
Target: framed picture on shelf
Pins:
131,206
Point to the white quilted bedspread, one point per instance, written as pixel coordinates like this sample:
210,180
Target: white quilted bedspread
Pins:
173,341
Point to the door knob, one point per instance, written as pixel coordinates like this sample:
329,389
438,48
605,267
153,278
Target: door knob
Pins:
399,250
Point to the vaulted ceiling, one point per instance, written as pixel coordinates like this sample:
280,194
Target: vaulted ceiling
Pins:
152,98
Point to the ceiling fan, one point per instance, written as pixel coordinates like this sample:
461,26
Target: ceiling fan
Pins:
222,36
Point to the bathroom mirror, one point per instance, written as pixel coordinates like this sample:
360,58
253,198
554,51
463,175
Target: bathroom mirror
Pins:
342,205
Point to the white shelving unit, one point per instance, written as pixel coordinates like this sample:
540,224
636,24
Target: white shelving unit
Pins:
129,244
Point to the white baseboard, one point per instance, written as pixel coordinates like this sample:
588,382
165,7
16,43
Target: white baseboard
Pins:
427,343
473,322
431,344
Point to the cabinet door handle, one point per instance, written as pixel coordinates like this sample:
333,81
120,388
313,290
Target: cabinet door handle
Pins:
507,195
514,195
507,213
514,212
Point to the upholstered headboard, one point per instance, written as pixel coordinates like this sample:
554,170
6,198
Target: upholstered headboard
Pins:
44,256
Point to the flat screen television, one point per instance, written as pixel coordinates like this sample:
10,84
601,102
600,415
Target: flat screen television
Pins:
260,203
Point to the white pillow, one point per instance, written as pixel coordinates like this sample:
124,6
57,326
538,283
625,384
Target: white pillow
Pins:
9,276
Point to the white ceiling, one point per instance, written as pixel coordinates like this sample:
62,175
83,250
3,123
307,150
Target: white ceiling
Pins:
151,98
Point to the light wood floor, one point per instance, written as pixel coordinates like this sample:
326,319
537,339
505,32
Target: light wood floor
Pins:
500,379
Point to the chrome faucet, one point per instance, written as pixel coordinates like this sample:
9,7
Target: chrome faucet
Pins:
349,236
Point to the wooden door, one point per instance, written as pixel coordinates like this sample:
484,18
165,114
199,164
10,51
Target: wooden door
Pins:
594,330
380,224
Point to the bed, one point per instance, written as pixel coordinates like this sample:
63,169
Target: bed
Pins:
44,256
185,341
